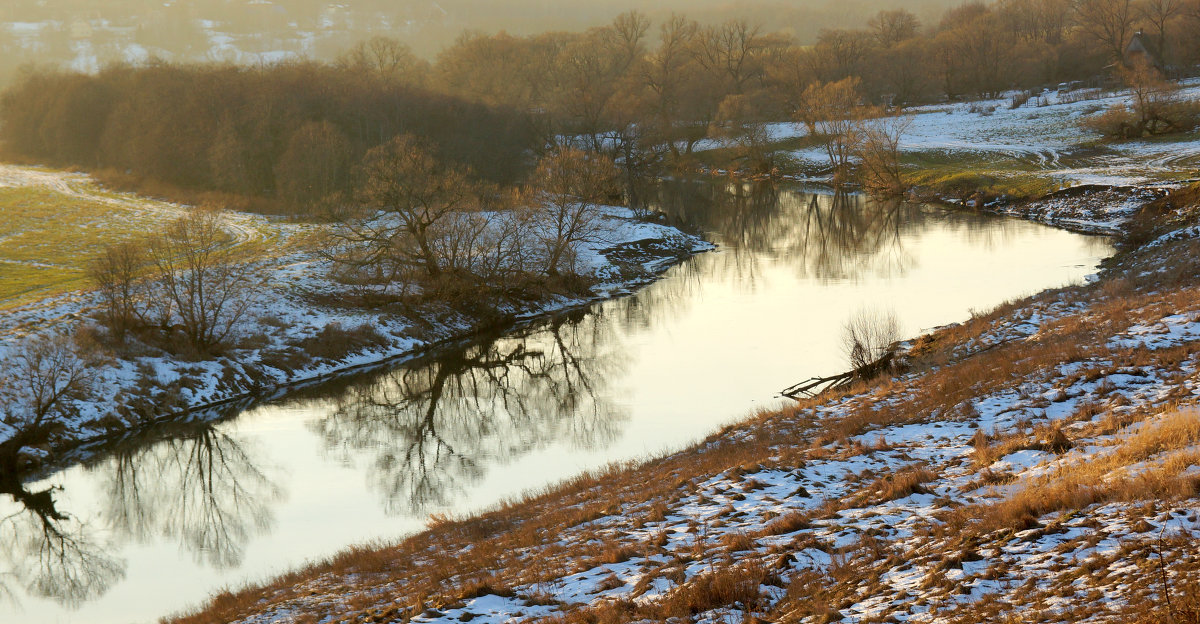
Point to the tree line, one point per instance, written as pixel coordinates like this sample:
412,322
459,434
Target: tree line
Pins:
290,132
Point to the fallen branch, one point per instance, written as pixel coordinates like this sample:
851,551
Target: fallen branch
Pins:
818,385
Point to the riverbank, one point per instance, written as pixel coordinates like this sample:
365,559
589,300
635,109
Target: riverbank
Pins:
1035,462
1031,157
294,333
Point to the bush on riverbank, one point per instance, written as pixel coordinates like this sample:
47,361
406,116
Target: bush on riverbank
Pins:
1156,108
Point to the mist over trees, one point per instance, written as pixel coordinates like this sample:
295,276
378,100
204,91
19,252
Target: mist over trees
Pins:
191,30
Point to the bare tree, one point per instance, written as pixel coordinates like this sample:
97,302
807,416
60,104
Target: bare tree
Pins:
840,53
570,181
43,377
1160,13
878,151
639,143
210,289
626,35
831,111
894,26
868,337
593,70
118,274
1108,22
386,59
868,340
1153,97
739,121
679,89
404,196
731,50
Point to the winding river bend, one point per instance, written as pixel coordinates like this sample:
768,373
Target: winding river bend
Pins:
154,525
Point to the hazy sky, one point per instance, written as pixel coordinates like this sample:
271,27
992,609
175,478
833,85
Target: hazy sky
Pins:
84,35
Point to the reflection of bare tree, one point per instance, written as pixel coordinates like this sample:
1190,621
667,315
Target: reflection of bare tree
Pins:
202,488
847,236
434,428
50,553
818,234
823,235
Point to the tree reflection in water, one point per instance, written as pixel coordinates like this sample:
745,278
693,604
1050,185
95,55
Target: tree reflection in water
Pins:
823,235
49,553
433,430
202,488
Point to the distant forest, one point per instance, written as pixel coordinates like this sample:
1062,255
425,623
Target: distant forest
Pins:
640,91
258,132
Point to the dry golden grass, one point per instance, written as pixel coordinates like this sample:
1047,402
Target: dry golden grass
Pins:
896,485
1116,475
509,545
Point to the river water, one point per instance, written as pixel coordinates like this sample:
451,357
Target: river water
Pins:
155,525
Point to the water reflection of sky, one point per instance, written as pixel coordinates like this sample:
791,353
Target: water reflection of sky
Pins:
153,526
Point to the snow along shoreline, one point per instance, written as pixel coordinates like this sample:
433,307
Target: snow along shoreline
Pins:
145,391
272,355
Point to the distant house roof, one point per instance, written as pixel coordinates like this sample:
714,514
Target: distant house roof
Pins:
1140,46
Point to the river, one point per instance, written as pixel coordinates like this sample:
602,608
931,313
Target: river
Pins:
153,525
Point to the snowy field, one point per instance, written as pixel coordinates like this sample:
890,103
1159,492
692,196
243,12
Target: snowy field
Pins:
1044,135
1051,137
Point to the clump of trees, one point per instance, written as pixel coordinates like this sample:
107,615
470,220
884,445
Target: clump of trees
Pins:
413,222
567,184
405,203
859,140
185,287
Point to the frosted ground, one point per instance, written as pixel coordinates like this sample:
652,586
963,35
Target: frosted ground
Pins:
283,312
1051,136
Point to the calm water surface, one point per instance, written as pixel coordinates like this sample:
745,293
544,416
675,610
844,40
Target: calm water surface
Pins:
158,524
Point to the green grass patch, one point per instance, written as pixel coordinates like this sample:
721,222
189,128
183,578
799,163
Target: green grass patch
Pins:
962,174
1161,139
47,239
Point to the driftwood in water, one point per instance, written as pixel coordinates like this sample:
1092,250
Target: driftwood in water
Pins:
817,385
